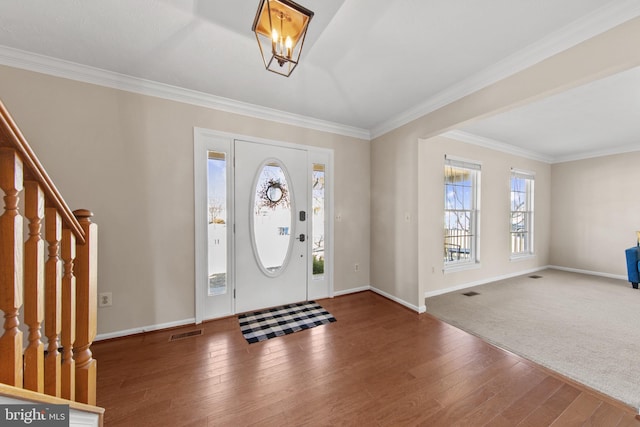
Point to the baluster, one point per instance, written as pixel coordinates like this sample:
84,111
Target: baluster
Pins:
87,304
34,287
53,285
68,315
11,264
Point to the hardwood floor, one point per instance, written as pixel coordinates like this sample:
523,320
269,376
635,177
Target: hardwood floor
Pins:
378,365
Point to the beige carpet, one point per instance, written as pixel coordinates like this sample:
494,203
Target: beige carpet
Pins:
584,327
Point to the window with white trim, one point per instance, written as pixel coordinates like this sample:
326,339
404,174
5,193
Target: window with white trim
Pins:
522,185
461,212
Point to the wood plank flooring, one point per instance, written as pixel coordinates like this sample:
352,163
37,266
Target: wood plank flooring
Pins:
378,365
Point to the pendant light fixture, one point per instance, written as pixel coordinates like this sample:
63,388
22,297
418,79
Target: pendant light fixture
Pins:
280,27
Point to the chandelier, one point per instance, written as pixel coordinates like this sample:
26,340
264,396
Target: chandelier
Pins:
280,27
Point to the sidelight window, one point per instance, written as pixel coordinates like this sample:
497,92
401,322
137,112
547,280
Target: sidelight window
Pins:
217,222
318,220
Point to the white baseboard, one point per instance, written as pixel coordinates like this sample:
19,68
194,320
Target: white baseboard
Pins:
420,309
591,273
133,331
417,309
351,291
143,329
520,273
482,282
192,321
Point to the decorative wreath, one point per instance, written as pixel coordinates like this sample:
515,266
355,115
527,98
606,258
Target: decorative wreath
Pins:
274,193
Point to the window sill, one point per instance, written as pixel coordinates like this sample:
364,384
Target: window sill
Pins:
454,268
523,257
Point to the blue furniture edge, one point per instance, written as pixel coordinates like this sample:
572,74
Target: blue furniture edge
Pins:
633,265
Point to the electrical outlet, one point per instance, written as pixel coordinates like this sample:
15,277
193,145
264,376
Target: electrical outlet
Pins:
105,299
356,267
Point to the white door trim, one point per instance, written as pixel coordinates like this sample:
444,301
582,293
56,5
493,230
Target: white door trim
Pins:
203,139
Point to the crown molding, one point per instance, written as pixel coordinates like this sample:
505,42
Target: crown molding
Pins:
492,144
589,26
597,153
70,70
504,147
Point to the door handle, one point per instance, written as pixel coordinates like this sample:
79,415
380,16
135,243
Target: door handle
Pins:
301,238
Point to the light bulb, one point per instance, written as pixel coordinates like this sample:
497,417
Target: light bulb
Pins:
288,44
274,40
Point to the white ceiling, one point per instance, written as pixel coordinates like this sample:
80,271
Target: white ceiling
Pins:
367,65
600,118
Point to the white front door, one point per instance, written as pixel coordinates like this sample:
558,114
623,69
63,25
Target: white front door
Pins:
264,263
271,225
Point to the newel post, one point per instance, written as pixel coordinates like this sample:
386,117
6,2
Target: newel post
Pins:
11,265
86,272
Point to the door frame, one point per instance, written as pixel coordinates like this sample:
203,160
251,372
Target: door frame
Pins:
208,139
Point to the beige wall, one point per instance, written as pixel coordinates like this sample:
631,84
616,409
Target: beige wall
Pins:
406,215
495,197
394,215
595,214
129,158
400,256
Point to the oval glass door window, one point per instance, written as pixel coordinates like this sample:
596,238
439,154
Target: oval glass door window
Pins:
272,219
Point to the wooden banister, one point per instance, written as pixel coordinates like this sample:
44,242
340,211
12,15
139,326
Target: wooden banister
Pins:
58,283
10,136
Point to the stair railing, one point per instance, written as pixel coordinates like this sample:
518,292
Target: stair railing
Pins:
53,288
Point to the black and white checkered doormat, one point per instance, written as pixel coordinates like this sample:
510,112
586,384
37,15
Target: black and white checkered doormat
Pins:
279,321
